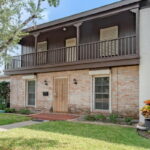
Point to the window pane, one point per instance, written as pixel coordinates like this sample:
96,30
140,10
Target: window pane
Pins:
98,89
106,89
42,46
106,81
102,93
98,96
31,92
98,105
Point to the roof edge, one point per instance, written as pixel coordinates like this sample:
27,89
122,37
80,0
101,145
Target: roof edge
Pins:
82,14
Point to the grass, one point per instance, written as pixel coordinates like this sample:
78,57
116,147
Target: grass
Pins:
12,118
72,136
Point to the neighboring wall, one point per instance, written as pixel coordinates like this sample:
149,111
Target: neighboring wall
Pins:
145,57
124,83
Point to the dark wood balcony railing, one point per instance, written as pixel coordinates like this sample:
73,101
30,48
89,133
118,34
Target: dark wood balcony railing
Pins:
120,47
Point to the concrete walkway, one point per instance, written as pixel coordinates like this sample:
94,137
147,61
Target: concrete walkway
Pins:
19,125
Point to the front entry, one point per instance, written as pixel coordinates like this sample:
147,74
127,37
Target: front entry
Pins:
60,103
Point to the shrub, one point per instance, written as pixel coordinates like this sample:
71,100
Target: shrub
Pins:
4,94
128,120
100,117
2,106
90,118
113,118
24,111
10,110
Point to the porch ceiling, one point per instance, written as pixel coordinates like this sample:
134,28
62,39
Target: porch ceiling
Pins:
104,11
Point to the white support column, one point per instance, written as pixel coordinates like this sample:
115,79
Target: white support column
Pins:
35,45
144,69
77,25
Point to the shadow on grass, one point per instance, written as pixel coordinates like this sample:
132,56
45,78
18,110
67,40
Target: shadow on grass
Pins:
14,143
111,134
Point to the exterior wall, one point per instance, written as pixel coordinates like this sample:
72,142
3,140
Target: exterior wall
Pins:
17,92
125,90
79,95
124,83
145,57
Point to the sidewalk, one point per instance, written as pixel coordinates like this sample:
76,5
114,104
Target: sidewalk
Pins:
19,125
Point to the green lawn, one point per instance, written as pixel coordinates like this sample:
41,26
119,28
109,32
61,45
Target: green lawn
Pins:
72,136
12,118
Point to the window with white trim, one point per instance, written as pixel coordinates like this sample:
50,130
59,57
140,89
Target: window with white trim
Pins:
101,93
109,42
42,46
42,55
71,51
31,93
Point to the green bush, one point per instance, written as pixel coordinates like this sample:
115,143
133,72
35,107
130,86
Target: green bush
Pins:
128,120
2,106
10,110
100,117
4,94
90,118
25,111
113,118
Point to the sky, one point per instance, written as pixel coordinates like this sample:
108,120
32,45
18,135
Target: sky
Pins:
70,7
67,8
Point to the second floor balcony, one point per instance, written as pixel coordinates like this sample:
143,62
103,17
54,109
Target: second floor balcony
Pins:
91,43
112,50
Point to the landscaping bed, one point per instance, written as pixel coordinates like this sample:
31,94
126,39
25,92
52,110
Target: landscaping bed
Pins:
112,118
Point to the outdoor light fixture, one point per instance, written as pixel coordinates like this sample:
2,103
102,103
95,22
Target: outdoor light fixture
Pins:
75,81
46,83
64,29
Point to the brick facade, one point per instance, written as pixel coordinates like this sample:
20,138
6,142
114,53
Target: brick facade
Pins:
124,91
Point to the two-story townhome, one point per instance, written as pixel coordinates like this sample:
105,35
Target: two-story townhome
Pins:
96,61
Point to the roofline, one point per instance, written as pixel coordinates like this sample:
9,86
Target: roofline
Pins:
83,14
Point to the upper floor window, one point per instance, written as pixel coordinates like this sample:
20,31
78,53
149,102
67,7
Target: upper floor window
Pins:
109,41
109,33
71,51
42,46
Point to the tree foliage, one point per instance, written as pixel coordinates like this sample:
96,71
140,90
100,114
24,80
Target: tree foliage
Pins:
15,15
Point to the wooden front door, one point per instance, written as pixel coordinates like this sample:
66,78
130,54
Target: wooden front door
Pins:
60,103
